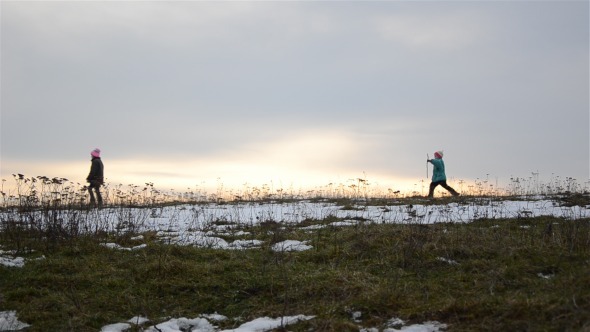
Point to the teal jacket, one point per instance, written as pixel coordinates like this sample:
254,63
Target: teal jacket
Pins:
438,174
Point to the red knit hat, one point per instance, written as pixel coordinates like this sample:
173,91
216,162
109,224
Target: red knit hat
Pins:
438,154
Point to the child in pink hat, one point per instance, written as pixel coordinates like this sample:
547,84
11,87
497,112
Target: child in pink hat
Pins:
438,175
95,153
95,178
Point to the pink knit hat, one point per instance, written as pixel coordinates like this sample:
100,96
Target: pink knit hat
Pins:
438,154
95,153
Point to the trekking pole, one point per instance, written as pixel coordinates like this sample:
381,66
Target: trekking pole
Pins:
427,159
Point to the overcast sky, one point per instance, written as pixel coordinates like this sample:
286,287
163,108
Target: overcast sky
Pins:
186,92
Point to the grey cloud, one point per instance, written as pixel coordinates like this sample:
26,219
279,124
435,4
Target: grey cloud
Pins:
500,79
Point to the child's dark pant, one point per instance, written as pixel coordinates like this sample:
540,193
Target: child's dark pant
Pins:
96,189
444,185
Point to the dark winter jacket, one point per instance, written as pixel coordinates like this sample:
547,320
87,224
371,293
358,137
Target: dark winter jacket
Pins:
96,176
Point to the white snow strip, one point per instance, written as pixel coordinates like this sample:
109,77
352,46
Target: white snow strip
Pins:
395,321
356,316
344,223
214,317
446,260
424,327
267,324
183,324
245,244
119,327
313,227
119,247
392,324
290,245
138,320
9,322
183,225
202,324
12,262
